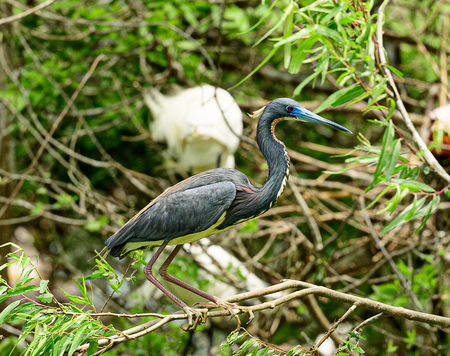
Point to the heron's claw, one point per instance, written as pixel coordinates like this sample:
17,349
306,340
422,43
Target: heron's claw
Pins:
195,317
229,307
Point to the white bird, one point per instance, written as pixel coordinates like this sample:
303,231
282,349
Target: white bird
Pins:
328,347
201,126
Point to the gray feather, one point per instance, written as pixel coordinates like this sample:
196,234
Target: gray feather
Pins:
180,213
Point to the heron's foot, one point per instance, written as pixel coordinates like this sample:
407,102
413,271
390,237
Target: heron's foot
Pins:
230,308
195,317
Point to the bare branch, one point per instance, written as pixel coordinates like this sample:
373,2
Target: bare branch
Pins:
26,13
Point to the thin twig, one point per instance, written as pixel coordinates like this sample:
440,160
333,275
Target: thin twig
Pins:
26,13
335,325
307,212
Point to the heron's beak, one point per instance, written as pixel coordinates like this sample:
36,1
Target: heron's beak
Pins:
306,115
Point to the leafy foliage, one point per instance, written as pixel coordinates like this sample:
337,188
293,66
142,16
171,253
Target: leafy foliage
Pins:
255,347
85,184
54,329
352,344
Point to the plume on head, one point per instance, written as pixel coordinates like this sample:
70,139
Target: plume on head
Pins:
257,114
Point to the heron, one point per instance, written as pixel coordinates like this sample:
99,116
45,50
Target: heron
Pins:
211,202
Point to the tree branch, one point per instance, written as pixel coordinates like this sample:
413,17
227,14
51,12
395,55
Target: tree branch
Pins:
302,289
26,13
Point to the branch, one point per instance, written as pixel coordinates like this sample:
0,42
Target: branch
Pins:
26,13
302,289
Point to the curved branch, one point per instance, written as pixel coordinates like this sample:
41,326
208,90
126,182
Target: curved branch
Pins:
302,289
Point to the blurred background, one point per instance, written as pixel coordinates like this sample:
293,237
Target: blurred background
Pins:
148,117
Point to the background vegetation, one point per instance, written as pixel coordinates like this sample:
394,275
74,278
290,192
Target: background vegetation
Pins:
74,137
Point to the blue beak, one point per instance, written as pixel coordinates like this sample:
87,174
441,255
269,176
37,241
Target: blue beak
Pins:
306,115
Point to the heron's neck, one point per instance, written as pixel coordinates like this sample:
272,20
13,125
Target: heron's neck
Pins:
276,155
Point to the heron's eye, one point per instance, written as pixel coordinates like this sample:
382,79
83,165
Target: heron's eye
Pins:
289,108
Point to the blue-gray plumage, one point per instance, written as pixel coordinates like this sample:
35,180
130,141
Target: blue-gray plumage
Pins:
212,201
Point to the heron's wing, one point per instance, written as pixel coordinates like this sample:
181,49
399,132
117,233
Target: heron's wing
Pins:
181,213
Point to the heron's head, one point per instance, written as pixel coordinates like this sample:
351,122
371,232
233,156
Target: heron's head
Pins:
288,109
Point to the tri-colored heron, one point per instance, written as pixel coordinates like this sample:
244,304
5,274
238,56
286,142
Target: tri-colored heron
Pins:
211,202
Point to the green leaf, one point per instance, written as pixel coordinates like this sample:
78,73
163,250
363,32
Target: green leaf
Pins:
264,352
301,52
246,345
334,35
84,291
5,313
346,93
307,30
392,160
45,298
370,108
288,26
256,69
400,219
342,170
377,198
96,274
356,92
75,298
333,13
370,93
377,180
414,213
79,336
431,208
24,277
93,348
43,285
362,159
279,23
22,290
413,185
391,110
395,70
386,148
306,81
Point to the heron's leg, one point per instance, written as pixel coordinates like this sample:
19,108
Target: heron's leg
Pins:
219,161
217,301
149,275
164,274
